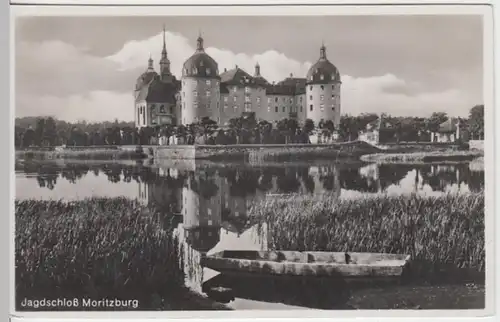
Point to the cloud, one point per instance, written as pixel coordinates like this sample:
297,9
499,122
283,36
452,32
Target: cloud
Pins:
92,106
274,66
62,80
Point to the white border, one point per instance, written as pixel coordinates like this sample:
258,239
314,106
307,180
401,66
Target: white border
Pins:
27,10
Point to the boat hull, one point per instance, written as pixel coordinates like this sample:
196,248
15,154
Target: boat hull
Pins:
300,264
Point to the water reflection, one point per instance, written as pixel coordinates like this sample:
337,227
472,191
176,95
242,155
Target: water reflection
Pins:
210,203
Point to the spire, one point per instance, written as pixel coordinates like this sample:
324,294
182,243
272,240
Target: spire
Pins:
199,42
322,51
257,70
164,61
164,51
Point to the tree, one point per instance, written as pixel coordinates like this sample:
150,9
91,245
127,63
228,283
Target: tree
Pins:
308,126
39,131
436,119
28,137
50,136
476,122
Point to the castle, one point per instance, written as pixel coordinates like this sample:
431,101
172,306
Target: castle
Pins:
203,92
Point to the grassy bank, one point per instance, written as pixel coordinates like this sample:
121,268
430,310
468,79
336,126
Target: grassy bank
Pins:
438,232
81,154
422,157
99,248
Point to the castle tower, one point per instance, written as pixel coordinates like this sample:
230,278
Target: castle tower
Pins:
201,210
165,73
200,87
323,91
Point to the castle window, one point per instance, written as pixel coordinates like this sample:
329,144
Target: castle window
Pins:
235,89
201,63
247,89
195,104
195,70
291,101
301,108
269,109
258,99
235,107
333,108
333,95
207,82
225,98
322,97
208,71
225,105
284,109
322,107
322,77
208,93
276,109
183,94
247,99
269,100
162,108
311,78
195,93
276,99
310,108
234,99
322,87
300,99
310,97
283,99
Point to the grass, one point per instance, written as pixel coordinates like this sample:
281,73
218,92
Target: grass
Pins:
82,154
437,232
422,157
99,248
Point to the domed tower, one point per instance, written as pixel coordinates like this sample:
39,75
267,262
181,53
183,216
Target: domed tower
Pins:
200,87
323,91
142,83
201,210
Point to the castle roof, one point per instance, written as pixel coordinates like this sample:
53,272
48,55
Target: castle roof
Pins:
157,91
200,64
237,77
449,125
323,71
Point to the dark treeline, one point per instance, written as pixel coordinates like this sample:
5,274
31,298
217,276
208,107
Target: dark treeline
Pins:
49,132
246,182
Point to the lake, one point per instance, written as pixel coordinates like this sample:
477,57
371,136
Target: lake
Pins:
212,200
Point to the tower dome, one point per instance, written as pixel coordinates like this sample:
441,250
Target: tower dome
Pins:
200,64
146,77
323,71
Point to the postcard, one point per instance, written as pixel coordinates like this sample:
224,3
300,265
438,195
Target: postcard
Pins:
281,160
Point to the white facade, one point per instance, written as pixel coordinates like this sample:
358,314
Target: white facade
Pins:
200,98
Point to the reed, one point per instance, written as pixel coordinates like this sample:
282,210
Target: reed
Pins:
439,230
98,248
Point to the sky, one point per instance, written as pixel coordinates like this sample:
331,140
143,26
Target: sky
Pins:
85,68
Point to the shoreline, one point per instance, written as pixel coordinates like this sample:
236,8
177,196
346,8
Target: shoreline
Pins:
424,157
355,150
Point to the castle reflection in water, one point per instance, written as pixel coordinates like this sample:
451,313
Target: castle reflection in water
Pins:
211,202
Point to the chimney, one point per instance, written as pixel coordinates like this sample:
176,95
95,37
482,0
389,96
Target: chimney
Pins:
291,75
236,66
225,70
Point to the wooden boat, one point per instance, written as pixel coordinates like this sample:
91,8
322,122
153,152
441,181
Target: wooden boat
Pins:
294,263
